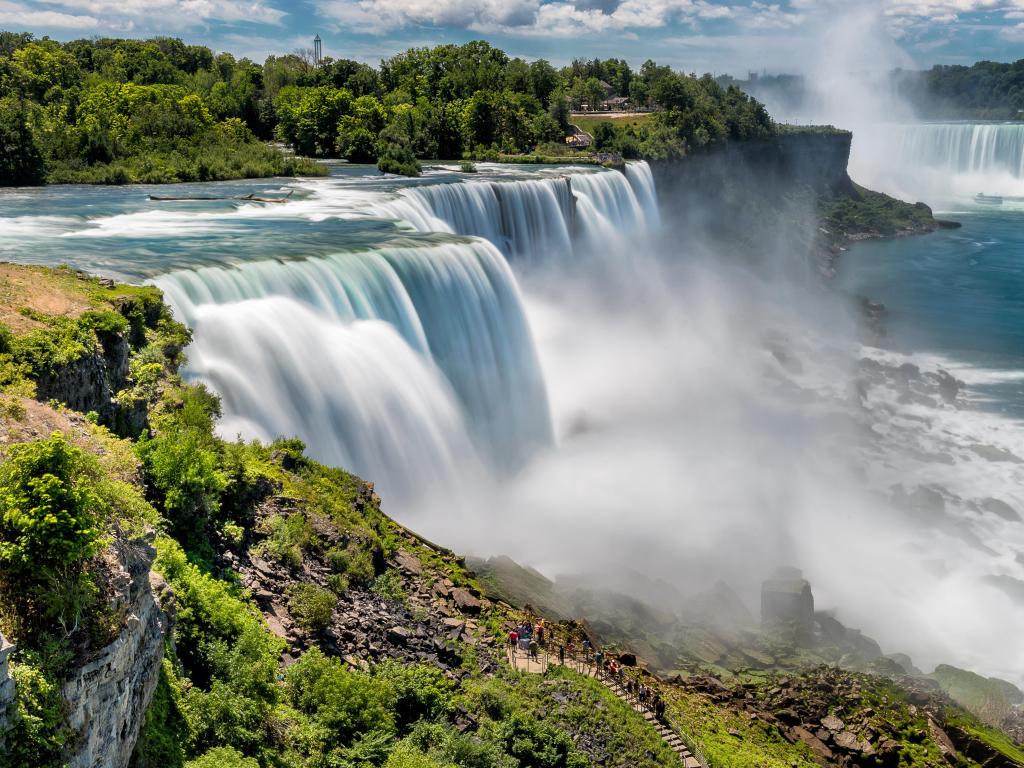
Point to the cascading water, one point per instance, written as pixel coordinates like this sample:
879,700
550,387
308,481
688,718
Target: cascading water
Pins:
966,148
454,303
409,360
536,220
940,160
357,393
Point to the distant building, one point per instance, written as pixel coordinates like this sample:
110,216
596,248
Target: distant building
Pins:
579,140
615,104
318,52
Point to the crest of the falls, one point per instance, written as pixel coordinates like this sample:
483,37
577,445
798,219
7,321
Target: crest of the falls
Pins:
453,303
965,148
536,220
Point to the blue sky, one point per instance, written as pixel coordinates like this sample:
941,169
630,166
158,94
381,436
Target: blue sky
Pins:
696,35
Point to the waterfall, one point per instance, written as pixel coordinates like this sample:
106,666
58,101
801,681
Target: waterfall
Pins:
932,160
357,393
453,303
411,362
536,220
966,148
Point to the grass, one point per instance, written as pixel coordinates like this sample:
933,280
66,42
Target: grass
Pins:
866,212
589,123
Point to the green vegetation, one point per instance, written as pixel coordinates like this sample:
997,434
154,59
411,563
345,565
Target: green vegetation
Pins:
118,111
159,111
864,211
991,700
987,90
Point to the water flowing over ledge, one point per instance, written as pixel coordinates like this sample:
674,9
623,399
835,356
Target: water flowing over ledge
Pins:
536,220
454,305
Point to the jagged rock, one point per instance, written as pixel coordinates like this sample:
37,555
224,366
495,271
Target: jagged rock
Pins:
833,723
107,697
466,602
408,563
816,745
786,599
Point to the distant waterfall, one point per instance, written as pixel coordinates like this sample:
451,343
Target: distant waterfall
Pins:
455,304
536,220
966,148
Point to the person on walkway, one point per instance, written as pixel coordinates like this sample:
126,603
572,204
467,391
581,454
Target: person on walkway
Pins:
534,647
513,640
586,648
561,654
598,659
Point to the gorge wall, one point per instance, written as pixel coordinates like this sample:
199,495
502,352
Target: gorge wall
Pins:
107,697
750,193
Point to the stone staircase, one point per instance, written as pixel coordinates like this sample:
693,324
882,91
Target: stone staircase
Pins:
687,759
669,736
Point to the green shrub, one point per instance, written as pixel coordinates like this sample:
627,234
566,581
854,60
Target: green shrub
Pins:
49,512
389,585
182,469
223,757
421,692
40,733
398,158
346,703
311,606
355,562
288,536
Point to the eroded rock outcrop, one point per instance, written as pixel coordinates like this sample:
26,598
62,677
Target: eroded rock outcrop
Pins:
107,697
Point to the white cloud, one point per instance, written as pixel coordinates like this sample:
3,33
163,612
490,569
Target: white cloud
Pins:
561,18
19,16
149,15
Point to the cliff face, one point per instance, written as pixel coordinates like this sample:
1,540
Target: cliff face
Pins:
108,696
815,161
752,195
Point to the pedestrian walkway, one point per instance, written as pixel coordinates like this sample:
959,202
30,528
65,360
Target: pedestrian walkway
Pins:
521,660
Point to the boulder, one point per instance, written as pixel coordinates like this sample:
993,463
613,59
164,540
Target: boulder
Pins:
465,602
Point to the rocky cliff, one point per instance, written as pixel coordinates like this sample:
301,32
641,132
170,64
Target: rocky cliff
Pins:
107,697
791,193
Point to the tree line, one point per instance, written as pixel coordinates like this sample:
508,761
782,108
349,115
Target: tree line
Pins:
159,110
984,90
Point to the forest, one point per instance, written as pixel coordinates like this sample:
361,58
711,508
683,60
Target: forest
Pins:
985,90
116,111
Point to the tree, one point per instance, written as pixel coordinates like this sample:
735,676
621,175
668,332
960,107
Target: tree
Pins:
21,161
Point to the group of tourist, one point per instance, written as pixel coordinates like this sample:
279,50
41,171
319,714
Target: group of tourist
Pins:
527,636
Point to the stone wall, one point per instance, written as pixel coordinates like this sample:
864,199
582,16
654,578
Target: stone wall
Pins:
108,696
